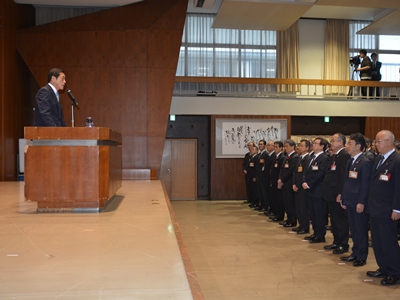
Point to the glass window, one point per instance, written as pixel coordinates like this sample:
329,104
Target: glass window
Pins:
225,52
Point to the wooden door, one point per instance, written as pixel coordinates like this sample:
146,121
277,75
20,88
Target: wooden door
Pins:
179,168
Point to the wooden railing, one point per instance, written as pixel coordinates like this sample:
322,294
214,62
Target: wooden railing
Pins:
281,87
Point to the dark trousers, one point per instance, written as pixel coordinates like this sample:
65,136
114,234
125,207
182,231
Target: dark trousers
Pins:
248,188
359,232
317,213
289,204
302,212
253,192
339,224
385,245
366,90
262,192
276,203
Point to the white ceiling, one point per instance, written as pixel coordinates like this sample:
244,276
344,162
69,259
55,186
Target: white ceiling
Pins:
274,14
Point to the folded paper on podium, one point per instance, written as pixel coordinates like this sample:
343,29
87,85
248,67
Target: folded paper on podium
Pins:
72,168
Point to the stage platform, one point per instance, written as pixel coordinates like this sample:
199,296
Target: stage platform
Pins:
130,250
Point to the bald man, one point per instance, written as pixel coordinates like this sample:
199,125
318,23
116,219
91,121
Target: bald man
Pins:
384,209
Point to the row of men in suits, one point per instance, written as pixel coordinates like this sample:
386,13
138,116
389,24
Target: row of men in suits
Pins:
303,184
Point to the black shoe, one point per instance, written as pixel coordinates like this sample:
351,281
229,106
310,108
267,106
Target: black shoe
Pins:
317,240
297,229
283,222
276,219
309,238
348,258
261,209
303,231
359,263
246,202
341,250
289,224
376,274
331,247
253,205
390,280
269,213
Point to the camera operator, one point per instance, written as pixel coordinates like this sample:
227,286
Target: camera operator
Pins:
365,72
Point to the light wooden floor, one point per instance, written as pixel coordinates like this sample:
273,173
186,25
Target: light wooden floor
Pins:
129,251
237,254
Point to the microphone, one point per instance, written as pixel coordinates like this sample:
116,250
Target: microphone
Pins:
72,97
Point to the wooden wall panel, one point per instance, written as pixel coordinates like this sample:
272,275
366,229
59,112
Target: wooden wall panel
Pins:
375,124
14,85
120,64
227,178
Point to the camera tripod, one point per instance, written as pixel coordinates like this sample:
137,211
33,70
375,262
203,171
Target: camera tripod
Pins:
352,88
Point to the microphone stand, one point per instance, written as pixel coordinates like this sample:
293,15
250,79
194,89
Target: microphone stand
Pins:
73,103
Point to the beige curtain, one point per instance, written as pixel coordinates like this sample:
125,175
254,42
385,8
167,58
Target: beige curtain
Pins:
336,54
287,56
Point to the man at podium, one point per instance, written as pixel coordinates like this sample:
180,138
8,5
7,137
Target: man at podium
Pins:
48,110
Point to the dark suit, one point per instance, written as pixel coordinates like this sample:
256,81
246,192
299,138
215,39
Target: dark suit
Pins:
355,191
302,213
376,76
261,180
370,155
286,176
333,184
267,174
251,179
48,111
246,161
314,177
276,202
384,196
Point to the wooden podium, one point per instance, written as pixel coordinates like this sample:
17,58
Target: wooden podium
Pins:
72,168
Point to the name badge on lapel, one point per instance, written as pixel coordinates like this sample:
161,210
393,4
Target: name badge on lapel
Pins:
251,164
261,160
314,167
286,165
333,167
300,169
384,176
276,165
353,174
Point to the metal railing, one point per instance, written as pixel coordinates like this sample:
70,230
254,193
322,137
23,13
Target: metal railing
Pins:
285,88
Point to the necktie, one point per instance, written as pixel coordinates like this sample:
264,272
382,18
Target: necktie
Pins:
312,160
58,96
380,161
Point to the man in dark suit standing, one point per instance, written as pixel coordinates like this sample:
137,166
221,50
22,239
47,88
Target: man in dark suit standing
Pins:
285,182
246,162
267,174
353,198
302,212
333,184
261,179
276,202
48,110
376,73
313,185
251,174
384,209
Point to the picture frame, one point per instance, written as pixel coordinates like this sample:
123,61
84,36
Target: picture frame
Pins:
232,135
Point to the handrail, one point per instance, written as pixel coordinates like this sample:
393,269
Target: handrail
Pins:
319,82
